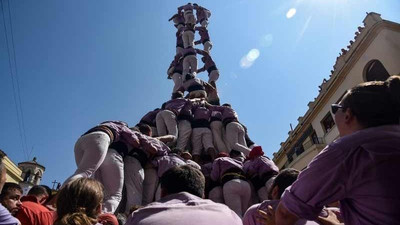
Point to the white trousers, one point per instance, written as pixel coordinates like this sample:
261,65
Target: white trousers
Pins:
213,76
217,134
134,176
216,195
154,132
207,46
179,50
177,78
235,138
111,175
189,64
90,151
166,123
201,138
188,38
184,132
189,17
149,185
237,195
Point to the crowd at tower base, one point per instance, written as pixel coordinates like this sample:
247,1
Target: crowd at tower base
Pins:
191,161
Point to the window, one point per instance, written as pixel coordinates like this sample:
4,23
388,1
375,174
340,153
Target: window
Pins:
27,175
374,70
328,122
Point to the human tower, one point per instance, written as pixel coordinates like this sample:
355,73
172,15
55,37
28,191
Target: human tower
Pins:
191,129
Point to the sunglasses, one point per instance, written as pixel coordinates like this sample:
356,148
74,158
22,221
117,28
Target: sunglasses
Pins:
336,107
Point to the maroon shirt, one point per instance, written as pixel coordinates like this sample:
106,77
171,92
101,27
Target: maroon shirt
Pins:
176,105
201,113
186,7
202,13
360,170
203,32
227,112
150,118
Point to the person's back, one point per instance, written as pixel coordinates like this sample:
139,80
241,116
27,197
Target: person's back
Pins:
182,190
182,209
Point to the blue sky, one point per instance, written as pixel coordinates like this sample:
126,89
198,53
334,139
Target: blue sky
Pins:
82,62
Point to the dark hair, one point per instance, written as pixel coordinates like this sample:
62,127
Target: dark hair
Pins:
78,202
144,128
284,179
38,190
375,103
7,188
49,192
227,105
183,178
178,94
234,153
189,76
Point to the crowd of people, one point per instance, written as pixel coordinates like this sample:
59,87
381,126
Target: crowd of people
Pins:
191,161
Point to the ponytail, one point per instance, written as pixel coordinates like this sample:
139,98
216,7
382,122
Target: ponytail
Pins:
77,218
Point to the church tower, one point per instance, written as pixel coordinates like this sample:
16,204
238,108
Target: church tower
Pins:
32,173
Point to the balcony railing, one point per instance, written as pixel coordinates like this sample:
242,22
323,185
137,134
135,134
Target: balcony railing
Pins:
313,141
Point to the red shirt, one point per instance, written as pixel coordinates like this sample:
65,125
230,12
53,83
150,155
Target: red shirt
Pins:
33,213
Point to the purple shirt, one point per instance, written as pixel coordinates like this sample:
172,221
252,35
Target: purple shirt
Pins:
122,133
193,164
202,13
360,170
209,64
183,209
227,112
203,32
201,113
216,115
221,165
166,162
259,166
175,105
192,83
6,218
251,215
151,146
179,40
186,7
150,118
206,169
188,51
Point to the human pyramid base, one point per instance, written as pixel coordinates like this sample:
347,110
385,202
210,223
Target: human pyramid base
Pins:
192,162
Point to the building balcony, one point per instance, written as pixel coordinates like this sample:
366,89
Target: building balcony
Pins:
304,154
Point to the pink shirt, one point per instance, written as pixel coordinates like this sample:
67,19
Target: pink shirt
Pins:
360,170
259,166
183,209
251,215
223,164
166,162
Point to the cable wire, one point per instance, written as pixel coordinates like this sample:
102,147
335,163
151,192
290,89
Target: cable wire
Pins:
17,79
13,85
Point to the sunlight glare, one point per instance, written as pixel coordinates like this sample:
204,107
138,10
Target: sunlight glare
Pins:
291,13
